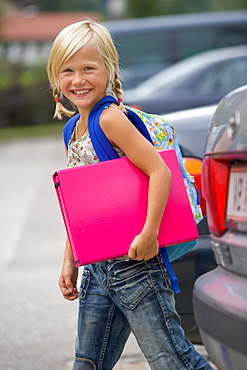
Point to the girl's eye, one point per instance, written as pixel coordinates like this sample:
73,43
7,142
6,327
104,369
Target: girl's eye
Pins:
88,68
66,70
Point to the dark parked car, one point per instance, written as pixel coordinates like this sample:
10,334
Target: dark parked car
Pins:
194,82
147,45
220,296
192,127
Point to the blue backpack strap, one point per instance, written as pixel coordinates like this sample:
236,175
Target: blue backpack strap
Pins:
101,144
139,124
174,280
69,128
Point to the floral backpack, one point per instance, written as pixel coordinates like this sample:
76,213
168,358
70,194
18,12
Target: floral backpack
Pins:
162,135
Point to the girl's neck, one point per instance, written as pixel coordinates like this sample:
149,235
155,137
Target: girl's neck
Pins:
81,127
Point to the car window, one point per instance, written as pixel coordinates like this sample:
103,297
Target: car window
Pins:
233,74
223,77
163,47
207,82
191,41
152,48
171,77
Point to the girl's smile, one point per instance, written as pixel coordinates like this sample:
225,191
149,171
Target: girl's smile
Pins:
83,78
80,92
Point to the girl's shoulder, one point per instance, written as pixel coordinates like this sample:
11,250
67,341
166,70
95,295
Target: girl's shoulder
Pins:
112,115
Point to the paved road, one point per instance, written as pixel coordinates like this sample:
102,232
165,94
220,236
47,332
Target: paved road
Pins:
37,326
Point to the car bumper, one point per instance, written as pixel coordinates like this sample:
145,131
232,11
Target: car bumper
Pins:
220,309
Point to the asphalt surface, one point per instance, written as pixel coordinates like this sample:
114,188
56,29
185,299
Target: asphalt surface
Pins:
37,326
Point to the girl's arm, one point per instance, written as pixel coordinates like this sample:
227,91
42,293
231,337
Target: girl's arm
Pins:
121,132
68,278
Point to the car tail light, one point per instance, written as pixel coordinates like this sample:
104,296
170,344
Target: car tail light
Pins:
194,167
214,187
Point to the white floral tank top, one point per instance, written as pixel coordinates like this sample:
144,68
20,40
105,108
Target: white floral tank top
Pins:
81,151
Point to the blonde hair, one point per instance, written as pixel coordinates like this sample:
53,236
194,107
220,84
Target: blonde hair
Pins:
70,40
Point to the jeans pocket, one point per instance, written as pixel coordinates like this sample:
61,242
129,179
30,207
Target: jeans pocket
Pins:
132,283
84,284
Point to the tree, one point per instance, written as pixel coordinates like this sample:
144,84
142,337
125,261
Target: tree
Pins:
62,5
145,8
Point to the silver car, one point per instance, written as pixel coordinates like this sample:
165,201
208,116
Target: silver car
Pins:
201,80
220,296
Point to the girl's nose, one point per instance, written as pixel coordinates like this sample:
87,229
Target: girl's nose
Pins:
78,79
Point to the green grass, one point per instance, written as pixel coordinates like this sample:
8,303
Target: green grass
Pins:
12,133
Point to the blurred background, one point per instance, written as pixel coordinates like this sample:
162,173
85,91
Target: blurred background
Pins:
28,28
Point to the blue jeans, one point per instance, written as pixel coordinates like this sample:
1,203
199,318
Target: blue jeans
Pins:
118,297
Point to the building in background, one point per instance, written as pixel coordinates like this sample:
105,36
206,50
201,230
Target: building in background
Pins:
26,36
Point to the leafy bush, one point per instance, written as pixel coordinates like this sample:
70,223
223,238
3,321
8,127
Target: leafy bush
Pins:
25,97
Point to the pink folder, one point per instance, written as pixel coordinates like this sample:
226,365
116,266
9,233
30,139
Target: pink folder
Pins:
104,207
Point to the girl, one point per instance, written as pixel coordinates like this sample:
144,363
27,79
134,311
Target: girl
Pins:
116,296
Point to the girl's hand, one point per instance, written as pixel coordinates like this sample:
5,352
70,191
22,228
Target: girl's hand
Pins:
144,247
68,280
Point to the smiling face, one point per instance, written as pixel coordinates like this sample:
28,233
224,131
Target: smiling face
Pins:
83,78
